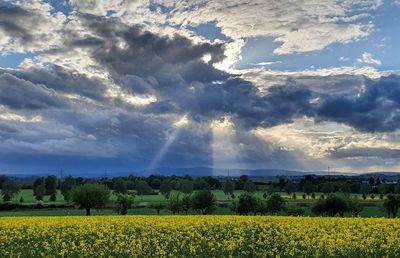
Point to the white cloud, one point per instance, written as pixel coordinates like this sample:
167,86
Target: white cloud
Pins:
367,58
301,26
320,140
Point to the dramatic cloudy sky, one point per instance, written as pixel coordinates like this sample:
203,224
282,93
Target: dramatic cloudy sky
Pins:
129,85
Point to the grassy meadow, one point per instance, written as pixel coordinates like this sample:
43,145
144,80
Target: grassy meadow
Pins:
372,208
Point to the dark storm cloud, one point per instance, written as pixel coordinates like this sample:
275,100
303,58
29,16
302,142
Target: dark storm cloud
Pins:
17,93
62,80
127,51
375,109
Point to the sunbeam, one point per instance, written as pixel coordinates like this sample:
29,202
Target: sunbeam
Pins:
178,125
225,151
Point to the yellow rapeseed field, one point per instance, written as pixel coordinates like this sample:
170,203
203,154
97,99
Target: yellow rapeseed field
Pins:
198,236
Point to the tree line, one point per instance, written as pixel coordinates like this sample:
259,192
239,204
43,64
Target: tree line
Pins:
196,193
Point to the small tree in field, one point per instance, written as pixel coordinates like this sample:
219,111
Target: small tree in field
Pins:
39,192
143,188
355,206
392,205
204,201
174,204
165,188
124,203
90,196
245,204
186,186
276,204
66,186
8,189
186,203
229,187
50,185
119,186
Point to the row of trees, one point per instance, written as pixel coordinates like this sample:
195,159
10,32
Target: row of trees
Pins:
203,201
153,184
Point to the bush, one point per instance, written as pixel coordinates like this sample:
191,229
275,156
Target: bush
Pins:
295,211
124,203
246,204
276,204
204,201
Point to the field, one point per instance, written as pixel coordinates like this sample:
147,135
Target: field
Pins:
372,208
198,236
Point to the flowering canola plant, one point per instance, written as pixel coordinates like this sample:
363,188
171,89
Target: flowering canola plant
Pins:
198,236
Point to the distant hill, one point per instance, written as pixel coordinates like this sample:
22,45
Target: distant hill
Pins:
207,171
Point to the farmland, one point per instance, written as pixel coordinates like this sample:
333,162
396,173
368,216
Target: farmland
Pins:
373,208
200,236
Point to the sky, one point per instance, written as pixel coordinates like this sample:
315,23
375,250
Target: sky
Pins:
124,85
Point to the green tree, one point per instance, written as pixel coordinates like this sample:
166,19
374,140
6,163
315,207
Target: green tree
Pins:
174,204
229,187
245,204
308,187
39,192
331,206
53,197
8,189
90,196
119,186
290,187
143,188
392,205
21,200
249,186
186,186
355,206
186,203
51,185
327,187
204,201
66,185
275,204
124,203
165,188
38,181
